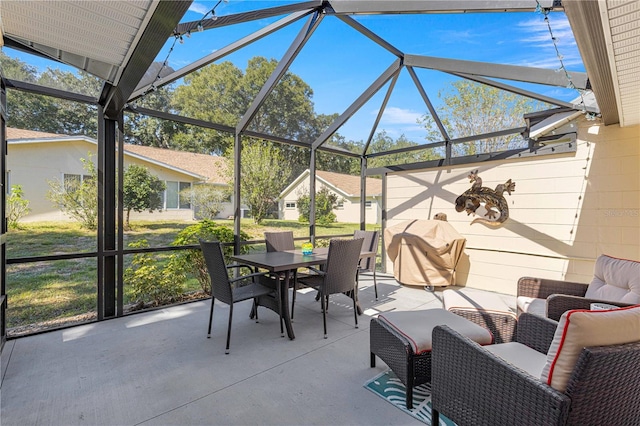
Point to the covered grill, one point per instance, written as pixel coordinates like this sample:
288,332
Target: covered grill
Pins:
424,252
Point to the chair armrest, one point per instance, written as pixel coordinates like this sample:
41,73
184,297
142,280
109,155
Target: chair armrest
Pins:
470,385
249,276
536,331
316,271
541,288
242,265
558,304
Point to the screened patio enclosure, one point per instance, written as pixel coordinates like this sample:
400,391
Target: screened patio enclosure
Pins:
128,45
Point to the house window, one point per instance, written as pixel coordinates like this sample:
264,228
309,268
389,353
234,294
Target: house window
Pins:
367,204
340,205
73,181
172,198
290,205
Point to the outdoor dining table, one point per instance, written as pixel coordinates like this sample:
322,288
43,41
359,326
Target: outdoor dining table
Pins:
286,261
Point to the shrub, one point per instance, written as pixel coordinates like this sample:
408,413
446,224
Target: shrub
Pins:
207,199
78,198
17,207
150,281
326,201
192,260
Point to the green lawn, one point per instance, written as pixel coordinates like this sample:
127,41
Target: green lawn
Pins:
56,291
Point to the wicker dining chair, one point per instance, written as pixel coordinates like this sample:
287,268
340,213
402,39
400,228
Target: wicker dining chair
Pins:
283,241
370,243
229,291
339,274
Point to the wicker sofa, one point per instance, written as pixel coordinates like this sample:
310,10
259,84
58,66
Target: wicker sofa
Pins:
615,282
504,384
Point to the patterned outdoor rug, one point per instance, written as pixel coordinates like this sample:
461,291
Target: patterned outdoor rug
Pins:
389,387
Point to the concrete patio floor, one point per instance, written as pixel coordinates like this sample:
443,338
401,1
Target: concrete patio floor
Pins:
158,367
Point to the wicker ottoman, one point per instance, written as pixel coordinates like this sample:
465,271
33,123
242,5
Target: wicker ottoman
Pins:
403,341
485,309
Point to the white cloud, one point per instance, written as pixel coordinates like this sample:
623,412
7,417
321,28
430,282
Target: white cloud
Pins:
456,36
199,8
537,37
395,115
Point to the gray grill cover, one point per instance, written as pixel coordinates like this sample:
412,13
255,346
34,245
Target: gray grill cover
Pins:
424,252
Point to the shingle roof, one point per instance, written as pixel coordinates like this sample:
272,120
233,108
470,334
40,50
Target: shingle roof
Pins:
350,184
212,167
30,134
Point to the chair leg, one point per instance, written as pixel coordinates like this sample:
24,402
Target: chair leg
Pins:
355,308
295,291
410,377
324,312
435,417
375,284
210,317
229,328
373,360
255,308
280,296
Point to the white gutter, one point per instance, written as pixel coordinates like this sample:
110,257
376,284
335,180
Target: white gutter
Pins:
552,125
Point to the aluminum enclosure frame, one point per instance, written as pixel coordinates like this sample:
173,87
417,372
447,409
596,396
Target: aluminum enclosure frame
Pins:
120,97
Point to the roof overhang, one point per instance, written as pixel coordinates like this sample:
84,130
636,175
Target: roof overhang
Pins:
94,36
608,35
116,41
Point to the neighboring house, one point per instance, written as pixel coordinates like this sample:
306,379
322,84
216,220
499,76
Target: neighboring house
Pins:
34,158
347,187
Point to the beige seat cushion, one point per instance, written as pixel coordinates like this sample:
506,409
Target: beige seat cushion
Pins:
521,356
417,327
578,329
615,280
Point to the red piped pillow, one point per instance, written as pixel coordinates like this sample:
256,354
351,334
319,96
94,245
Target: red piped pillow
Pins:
578,329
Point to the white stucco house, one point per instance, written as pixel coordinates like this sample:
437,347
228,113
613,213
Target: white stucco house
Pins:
347,187
35,158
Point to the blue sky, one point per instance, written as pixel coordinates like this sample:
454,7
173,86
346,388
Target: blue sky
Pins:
339,63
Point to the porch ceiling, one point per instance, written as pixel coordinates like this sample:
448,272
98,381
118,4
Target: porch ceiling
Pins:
94,36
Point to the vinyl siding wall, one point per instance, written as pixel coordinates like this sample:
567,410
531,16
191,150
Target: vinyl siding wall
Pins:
565,211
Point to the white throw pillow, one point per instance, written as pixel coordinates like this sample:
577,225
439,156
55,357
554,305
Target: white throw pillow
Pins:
578,329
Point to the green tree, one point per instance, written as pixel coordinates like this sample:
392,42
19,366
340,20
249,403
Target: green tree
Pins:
17,206
142,191
470,108
212,94
326,202
382,142
47,114
222,93
77,196
264,174
207,199
144,130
